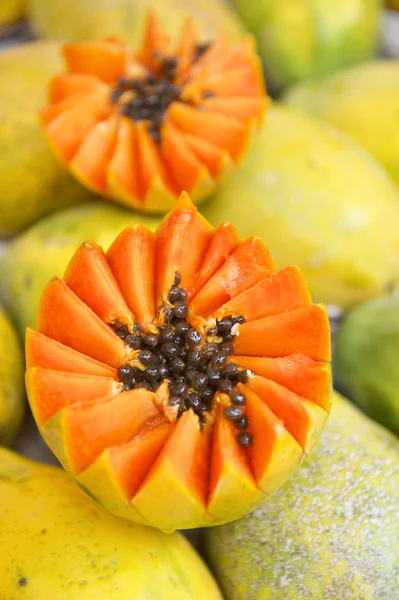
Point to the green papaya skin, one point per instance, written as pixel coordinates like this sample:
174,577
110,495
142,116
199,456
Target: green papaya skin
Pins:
12,387
303,38
331,532
366,359
319,201
44,251
32,182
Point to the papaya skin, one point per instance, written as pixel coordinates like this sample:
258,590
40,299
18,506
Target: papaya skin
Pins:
302,38
345,496
333,233
44,250
365,355
348,99
96,19
11,11
12,389
32,183
66,547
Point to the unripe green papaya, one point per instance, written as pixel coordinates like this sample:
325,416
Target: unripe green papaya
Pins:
366,359
362,101
320,201
45,249
331,532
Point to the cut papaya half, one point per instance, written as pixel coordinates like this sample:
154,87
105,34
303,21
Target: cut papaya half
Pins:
178,376
140,127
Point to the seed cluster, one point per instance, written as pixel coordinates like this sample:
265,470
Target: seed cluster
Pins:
148,98
194,365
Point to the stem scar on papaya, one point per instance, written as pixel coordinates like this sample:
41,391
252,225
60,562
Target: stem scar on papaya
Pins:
178,376
140,127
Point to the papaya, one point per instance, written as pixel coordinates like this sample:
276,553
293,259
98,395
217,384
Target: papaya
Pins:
348,100
71,20
57,543
366,347
11,11
321,202
32,183
140,127
43,251
12,389
178,376
303,38
331,532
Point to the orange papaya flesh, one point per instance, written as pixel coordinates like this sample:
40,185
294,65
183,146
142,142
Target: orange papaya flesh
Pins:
178,139
299,415
91,161
284,334
65,85
67,319
249,263
223,241
275,453
104,60
181,229
90,428
88,272
67,131
231,475
132,258
178,376
50,391
42,351
298,373
279,292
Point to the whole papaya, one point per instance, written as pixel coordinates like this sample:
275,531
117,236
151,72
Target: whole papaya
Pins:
301,38
321,202
57,543
363,102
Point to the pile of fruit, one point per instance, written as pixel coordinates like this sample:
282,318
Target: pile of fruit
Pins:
172,244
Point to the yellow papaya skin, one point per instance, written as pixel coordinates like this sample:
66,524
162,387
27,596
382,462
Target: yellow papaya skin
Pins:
302,38
94,19
321,202
32,183
12,388
44,250
57,543
330,532
361,101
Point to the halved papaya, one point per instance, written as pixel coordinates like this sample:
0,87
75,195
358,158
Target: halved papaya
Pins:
179,377
140,127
